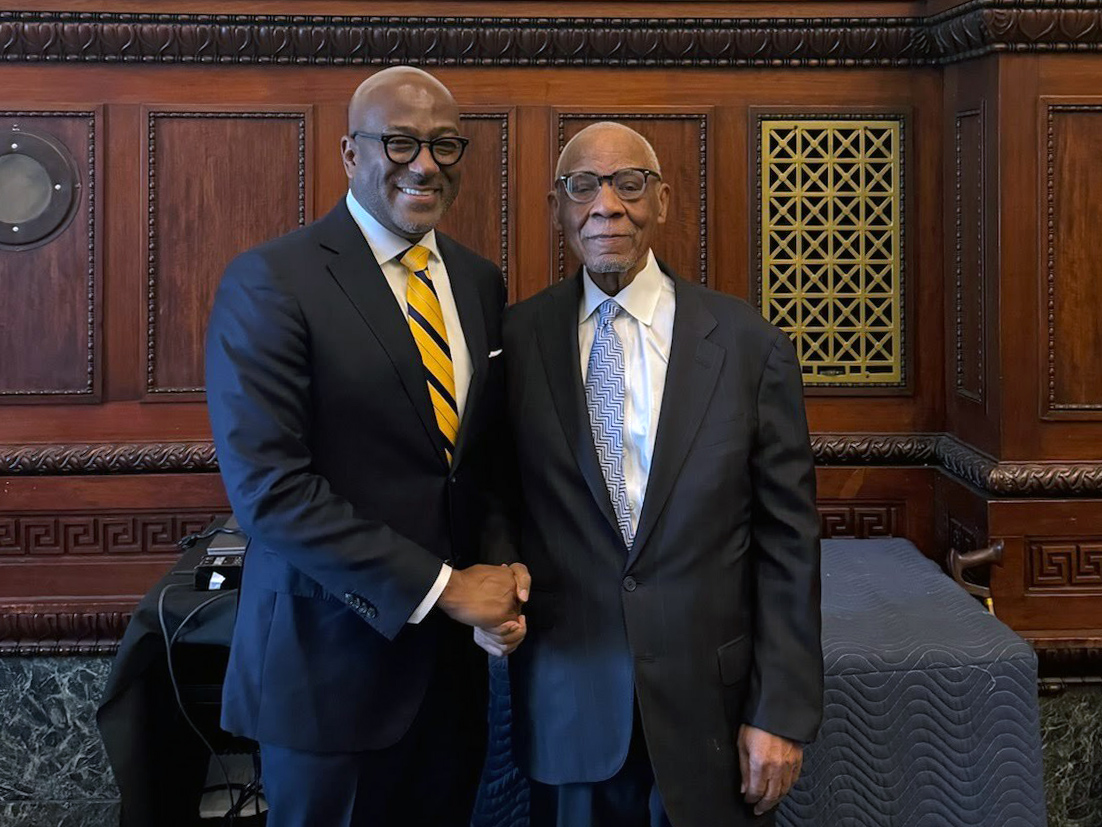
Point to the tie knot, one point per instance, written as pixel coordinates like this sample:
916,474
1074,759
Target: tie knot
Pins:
607,311
416,258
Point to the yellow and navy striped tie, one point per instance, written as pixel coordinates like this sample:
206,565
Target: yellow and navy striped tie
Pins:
426,320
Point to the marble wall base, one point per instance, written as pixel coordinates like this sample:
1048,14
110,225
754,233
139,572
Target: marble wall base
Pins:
54,773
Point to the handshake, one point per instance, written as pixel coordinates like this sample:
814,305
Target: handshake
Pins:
489,598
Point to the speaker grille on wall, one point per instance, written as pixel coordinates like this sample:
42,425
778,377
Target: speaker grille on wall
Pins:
38,184
830,236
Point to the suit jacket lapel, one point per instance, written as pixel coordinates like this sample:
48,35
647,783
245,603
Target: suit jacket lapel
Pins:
558,338
473,320
354,268
690,381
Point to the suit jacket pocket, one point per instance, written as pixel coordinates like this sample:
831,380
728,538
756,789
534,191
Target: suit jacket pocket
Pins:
734,659
717,432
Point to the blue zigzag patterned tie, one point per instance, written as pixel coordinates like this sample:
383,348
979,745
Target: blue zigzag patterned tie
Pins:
605,395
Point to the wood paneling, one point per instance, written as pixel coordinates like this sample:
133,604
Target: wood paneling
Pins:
680,139
1073,302
879,502
487,183
218,181
969,275
49,333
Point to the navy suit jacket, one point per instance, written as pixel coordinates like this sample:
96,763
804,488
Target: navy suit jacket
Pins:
335,468
711,619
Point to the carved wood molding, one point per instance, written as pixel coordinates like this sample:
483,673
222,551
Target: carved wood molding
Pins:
1006,479
131,458
973,394
861,519
80,534
967,31
69,631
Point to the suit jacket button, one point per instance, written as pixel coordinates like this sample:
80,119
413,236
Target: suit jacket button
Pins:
371,612
630,584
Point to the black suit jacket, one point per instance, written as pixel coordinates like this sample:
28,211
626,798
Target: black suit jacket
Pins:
335,467
712,619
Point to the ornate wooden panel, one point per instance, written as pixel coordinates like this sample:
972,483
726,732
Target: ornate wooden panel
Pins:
487,184
680,139
830,244
1073,312
861,520
1072,563
218,181
969,270
98,533
53,287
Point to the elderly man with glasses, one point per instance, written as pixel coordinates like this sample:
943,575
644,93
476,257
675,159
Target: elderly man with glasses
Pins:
672,668
355,401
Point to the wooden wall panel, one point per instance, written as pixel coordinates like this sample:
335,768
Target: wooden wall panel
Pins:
485,190
50,294
879,502
680,139
969,273
218,182
972,242
1073,215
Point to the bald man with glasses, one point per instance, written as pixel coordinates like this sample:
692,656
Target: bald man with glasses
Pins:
355,400
672,668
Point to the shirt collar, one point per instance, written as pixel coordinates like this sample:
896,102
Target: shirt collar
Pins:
639,299
384,244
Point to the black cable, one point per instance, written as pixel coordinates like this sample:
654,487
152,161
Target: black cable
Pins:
169,643
187,541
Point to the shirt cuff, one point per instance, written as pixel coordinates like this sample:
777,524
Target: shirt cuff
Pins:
434,594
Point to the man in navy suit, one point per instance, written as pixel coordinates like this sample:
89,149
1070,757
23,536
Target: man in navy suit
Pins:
672,668
355,397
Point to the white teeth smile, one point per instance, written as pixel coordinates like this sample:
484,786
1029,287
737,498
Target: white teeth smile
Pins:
411,191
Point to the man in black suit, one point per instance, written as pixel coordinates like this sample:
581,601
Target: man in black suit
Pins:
672,668
355,400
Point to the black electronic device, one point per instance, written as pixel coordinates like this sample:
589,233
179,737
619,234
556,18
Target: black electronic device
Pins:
219,569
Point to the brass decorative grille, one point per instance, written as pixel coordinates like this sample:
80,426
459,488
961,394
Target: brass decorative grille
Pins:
831,244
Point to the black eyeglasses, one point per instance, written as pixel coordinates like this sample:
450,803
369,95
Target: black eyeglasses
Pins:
629,184
402,149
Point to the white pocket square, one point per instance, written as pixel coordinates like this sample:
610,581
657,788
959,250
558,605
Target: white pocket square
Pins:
494,353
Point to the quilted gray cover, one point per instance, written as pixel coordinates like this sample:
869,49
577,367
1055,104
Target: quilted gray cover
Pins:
931,708
931,703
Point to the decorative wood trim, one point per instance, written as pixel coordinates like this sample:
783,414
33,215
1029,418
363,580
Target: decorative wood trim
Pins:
1006,479
702,166
101,533
963,538
503,118
1067,565
977,394
90,390
126,458
874,449
861,519
1050,406
68,630
967,31
153,115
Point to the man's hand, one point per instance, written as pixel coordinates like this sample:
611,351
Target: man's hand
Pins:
504,639
485,596
770,766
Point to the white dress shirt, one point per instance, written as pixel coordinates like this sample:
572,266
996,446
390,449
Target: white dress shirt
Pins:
388,249
645,329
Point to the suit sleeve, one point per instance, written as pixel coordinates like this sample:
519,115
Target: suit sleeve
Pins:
258,396
786,689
